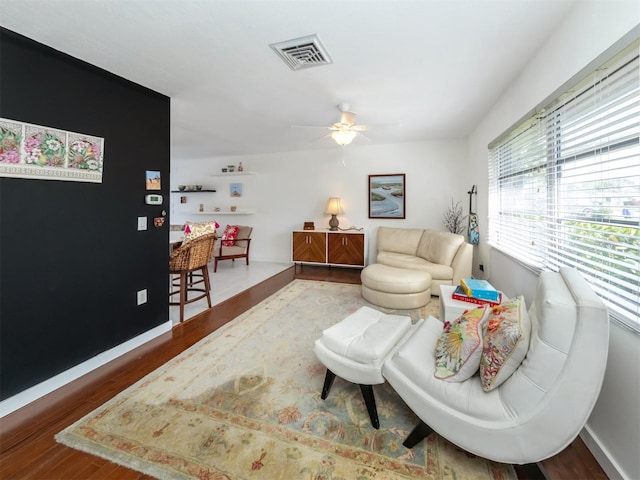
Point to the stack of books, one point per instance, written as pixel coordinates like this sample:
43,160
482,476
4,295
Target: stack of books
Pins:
477,291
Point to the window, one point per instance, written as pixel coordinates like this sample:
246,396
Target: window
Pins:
564,186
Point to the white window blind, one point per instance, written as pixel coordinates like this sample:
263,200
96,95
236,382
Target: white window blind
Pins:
564,186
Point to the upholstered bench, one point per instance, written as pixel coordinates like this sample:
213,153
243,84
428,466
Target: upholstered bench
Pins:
392,287
355,349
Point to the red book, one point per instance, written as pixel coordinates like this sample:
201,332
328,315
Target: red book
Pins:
458,294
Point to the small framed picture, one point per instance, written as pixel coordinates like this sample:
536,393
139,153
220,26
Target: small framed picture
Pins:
386,196
153,180
235,189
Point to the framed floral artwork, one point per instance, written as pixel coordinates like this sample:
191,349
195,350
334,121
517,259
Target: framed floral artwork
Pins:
35,151
10,141
44,146
387,196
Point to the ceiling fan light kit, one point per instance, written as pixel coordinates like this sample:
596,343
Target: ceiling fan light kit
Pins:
343,137
344,131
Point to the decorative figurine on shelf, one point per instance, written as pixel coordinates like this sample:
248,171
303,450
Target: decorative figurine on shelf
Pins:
240,167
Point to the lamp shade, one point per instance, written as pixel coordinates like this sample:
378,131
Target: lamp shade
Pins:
334,207
343,137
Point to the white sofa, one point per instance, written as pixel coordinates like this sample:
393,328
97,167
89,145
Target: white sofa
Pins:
542,406
446,256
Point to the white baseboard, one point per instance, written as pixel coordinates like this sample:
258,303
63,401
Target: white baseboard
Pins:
31,394
601,454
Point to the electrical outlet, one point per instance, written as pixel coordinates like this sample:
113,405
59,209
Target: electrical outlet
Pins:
142,223
482,267
142,296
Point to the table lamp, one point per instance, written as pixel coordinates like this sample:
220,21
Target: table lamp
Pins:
333,208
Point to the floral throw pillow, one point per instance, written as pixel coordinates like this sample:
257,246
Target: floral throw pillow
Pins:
195,230
459,348
229,235
506,342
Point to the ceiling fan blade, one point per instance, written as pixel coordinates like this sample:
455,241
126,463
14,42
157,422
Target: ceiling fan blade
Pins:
360,134
384,125
346,124
318,139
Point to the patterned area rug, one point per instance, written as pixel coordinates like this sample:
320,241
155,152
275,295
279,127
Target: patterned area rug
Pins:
244,403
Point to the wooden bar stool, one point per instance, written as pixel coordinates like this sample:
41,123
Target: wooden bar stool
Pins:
191,257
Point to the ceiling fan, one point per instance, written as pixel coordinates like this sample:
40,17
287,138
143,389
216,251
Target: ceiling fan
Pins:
344,131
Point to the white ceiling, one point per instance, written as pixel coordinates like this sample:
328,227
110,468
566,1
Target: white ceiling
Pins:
421,70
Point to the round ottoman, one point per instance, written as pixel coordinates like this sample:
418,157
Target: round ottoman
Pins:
392,287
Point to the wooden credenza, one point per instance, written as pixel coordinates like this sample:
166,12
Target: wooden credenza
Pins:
309,247
343,249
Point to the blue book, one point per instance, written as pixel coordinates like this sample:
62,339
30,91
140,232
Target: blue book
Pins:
476,288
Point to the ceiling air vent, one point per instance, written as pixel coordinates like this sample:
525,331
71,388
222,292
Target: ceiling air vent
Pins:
302,52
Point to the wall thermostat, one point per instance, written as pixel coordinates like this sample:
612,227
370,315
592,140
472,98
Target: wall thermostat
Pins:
153,199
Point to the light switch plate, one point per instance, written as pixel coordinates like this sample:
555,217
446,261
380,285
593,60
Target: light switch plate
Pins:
142,296
142,223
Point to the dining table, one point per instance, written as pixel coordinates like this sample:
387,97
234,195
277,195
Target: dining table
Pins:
176,237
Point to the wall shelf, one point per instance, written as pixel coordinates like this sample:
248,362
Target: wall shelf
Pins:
239,212
232,174
193,191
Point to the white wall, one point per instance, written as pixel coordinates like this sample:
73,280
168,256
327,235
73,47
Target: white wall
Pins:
590,31
293,187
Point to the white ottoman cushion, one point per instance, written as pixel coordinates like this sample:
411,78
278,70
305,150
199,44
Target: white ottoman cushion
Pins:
367,335
356,347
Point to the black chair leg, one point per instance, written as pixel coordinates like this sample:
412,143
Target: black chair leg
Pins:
328,382
367,394
419,432
370,402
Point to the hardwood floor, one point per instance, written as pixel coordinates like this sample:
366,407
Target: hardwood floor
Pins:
28,449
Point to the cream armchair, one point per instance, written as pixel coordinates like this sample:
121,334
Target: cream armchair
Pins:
541,407
239,249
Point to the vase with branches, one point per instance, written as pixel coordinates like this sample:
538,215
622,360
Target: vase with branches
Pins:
453,219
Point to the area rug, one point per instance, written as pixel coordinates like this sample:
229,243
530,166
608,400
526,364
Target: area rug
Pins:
244,403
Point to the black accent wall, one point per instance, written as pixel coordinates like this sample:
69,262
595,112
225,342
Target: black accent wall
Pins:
71,258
